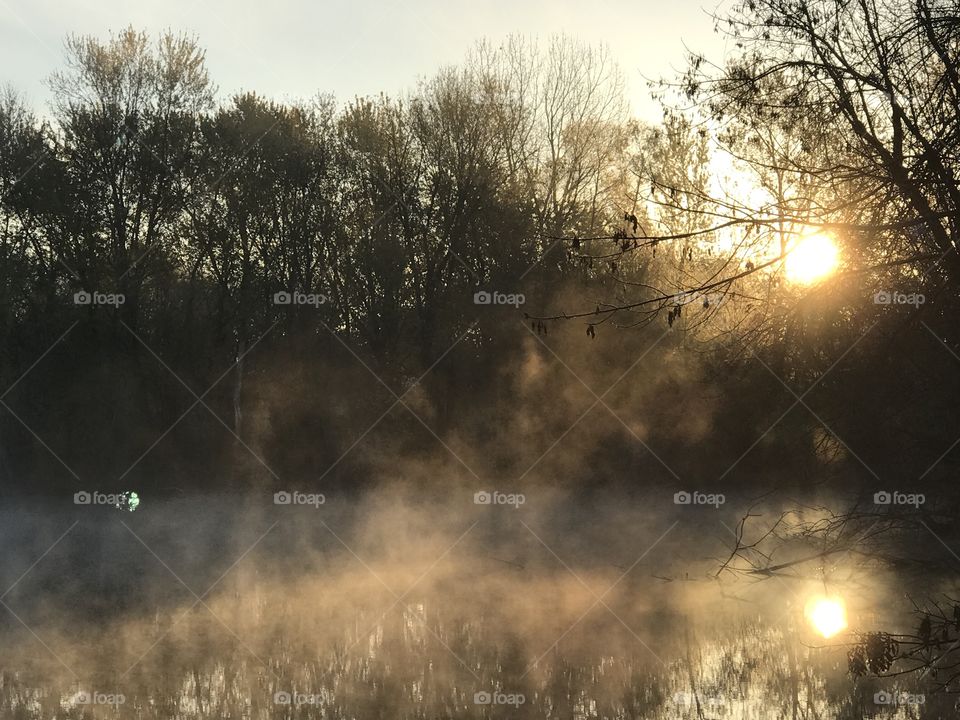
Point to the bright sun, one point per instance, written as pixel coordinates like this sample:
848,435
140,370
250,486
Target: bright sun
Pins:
828,615
812,258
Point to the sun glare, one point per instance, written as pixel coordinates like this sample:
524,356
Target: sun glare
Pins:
827,615
811,259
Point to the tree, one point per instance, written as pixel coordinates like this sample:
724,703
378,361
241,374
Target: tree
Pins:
845,116
561,127
868,94
126,115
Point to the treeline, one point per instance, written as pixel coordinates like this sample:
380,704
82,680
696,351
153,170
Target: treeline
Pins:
161,222
396,210
192,292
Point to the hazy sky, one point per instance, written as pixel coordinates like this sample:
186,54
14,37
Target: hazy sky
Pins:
294,48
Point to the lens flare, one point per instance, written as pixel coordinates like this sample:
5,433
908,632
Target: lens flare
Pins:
827,615
812,258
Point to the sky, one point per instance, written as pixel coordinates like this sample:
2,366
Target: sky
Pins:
293,49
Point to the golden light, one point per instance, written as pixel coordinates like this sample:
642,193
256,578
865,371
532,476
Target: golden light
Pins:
827,615
812,258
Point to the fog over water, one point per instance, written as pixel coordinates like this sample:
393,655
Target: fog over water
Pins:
404,603
583,578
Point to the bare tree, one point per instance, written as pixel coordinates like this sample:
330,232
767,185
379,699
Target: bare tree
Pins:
844,114
126,114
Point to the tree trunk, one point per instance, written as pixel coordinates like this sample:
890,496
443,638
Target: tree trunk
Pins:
238,387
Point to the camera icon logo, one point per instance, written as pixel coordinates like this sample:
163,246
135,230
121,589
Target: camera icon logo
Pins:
482,698
882,498
682,498
82,298
482,498
482,298
282,298
282,498
82,698
882,297
82,498
883,698
281,698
